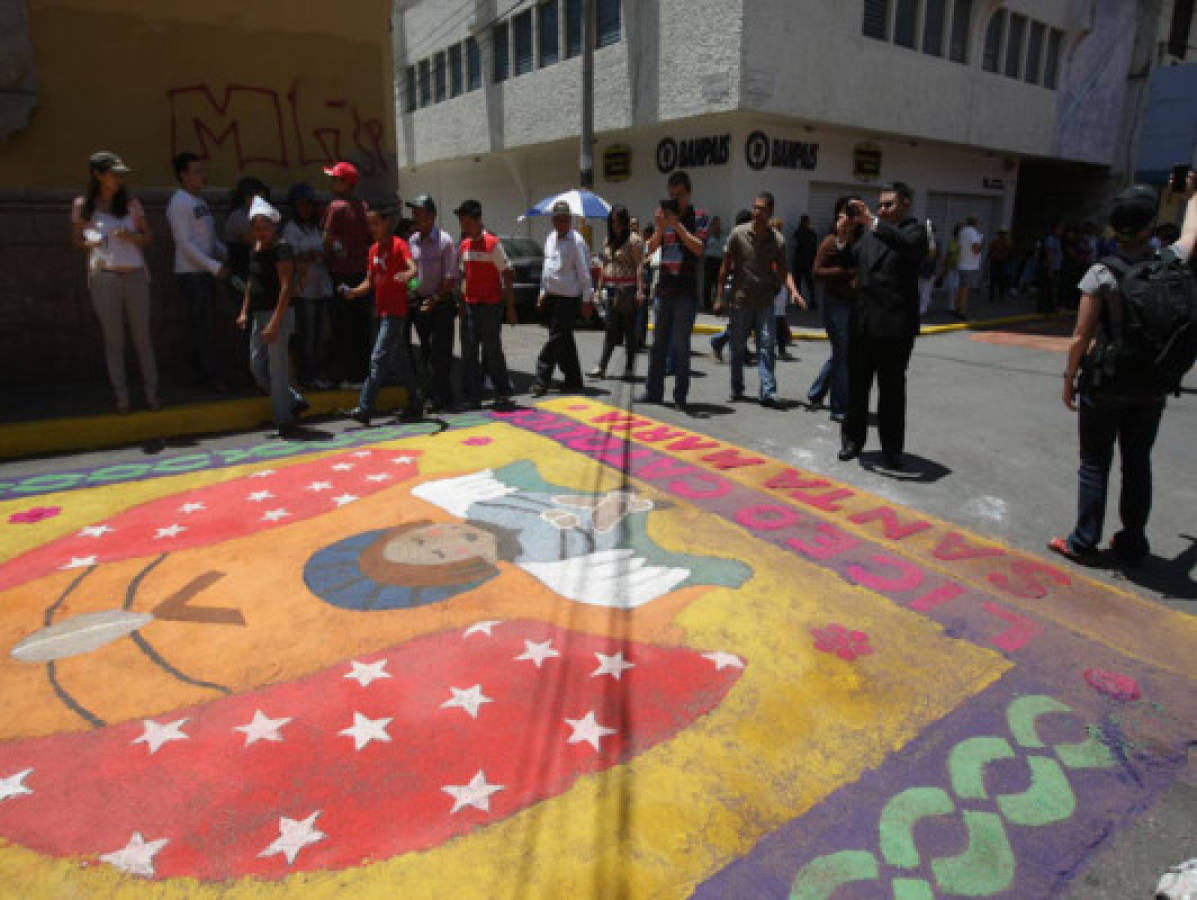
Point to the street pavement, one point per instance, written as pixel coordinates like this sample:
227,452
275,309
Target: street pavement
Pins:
992,455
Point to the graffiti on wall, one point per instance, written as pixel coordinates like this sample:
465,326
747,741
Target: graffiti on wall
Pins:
257,124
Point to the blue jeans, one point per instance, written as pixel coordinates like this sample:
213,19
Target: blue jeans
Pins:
268,362
762,321
833,376
391,353
671,330
1134,427
480,334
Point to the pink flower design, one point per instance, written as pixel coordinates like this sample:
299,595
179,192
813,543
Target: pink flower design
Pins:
1112,684
477,441
34,514
845,644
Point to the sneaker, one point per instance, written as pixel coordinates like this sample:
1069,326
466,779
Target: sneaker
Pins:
503,404
597,372
1061,546
359,415
539,390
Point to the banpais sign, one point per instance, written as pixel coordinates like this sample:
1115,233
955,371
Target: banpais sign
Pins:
760,151
692,153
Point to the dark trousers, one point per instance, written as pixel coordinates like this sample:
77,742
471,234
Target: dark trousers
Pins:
309,318
481,336
710,273
352,323
435,331
999,279
1134,427
200,296
671,332
886,358
560,349
833,377
622,311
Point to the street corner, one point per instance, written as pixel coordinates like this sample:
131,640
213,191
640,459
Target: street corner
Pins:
582,651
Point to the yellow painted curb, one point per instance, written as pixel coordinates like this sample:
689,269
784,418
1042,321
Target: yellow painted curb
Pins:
811,335
64,435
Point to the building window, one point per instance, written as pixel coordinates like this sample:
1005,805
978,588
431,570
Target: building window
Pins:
410,85
933,27
906,23
1035,51
1051,68
438,76
425,83
573,27
501,45
1018,33
522,26
962,13
876,19
550,40
473,64
455,70
993,41
606,26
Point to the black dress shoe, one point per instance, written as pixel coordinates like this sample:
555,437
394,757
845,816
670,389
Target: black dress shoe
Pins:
771,402
894,461
736,398
412,414
573,387
539,390
849,451
358,415
299,407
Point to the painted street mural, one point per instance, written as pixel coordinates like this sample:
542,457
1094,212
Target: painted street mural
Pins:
565,651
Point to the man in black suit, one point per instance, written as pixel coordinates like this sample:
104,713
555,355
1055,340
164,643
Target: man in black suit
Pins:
888,250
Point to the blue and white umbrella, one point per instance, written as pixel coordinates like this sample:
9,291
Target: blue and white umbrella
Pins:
582,203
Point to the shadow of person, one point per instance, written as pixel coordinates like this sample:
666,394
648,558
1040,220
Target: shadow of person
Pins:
1171,578
306,434
914,468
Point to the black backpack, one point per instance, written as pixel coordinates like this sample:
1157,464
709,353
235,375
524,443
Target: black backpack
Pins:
1150,327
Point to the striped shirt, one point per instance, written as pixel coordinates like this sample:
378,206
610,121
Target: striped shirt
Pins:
482,261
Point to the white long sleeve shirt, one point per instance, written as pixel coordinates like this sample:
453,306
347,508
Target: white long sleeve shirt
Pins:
567,267
197,249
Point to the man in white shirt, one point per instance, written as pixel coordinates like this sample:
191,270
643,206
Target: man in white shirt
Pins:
972,243
199,265
565,288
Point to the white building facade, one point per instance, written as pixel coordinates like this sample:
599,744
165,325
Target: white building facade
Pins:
807,99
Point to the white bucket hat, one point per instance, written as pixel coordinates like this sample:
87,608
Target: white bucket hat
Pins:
261,208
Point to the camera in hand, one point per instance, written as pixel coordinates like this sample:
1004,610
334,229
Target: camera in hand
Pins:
669,205
1180,174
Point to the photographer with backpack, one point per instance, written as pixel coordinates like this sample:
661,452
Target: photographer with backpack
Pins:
1135,338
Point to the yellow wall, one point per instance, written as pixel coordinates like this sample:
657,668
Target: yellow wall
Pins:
268,89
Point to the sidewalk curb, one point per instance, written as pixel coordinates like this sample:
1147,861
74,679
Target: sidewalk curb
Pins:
812,335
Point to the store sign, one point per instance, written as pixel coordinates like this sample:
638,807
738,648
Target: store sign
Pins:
617,163
866,162
693,153
760,152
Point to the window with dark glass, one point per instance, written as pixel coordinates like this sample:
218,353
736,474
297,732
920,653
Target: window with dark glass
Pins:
501,46
1035,52
410,85
550,41
438,76
473,64
573,27
521,25
425,83
962,14
606,26
876,19
1051,66
933,27
906,23
993,41
455,70
1018,33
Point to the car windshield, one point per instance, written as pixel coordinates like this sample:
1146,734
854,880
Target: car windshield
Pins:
517,247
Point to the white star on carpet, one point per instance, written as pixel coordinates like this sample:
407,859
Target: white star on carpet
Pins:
319,486
588,730
95,531
342,467
343,499
14,786
724,660
265,473
136,857
259,496
262,728
274,515
476,793
79,562
364,730
367,672
171,531
156,735
403,460
613,665
188,508
293,836
362,453
469,700
486,628
379,477
537,653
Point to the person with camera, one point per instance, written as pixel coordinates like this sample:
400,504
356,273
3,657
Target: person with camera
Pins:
681,235
565,290
1127,358
888,250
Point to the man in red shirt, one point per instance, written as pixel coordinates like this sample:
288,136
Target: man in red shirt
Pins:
391,267
346,240
489,280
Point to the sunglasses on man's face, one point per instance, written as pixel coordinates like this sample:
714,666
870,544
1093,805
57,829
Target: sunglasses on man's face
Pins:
887,204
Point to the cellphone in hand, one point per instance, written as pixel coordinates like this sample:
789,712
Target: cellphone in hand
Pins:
1180,174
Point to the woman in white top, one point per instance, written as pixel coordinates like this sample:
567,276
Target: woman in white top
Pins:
111,226
313,285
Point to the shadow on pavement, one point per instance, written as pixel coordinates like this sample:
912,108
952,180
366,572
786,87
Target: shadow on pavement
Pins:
916,469
1173,578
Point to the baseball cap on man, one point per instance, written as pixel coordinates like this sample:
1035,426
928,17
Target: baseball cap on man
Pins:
561,208
1134,209
422,202
344,170
107,161
471,208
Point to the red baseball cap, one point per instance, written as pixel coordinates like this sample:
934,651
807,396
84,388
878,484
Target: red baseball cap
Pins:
345,171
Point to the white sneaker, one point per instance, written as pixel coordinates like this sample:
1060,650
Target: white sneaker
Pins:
1179,882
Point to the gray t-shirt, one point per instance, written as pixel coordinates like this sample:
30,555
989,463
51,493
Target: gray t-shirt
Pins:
1099,280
